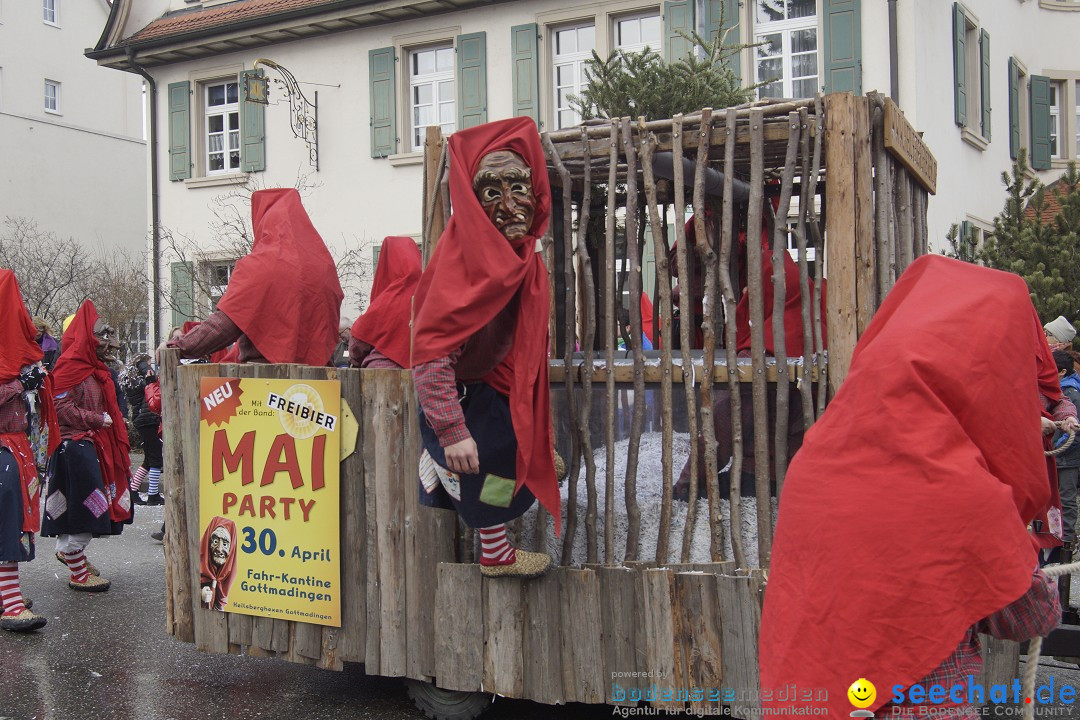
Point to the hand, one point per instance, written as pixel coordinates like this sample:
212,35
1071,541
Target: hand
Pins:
32,377
1048,426
1070,423
207,595
108,420
461,457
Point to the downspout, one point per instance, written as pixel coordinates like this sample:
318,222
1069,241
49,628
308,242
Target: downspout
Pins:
155,216
894,56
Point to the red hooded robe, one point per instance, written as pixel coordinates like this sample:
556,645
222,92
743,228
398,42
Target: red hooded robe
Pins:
903,519
384,325
285,294
474,274
18,348
79,361
221,579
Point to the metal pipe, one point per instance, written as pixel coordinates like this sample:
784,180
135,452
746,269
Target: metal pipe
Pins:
155,213
894,56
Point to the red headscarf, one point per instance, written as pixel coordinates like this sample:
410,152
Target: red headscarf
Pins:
285,295
79,361
18,348
903,519
210,573
474,274
793,333
384,326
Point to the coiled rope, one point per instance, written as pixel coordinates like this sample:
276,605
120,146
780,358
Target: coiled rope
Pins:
1035,647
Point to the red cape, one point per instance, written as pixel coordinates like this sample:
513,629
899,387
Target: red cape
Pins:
18,348
646,318
793,333
285,295
79,361
383,326
903,518
474,274
208,572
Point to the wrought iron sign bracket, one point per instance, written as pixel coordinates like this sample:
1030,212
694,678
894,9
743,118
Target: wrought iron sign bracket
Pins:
303,113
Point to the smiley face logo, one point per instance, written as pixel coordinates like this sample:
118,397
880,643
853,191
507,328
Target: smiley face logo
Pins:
862,693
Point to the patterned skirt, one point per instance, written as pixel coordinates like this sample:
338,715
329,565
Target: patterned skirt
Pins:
488,497
15,544
76,498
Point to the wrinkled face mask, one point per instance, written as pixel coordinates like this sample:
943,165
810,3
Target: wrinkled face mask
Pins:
107,342
503,185
220,545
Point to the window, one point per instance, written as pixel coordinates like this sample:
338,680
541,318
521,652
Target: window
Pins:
218,274
1076,117
572,46
1056,95
971,77
222,127
431,92
50,12
138,338
634,33
52,97
786,60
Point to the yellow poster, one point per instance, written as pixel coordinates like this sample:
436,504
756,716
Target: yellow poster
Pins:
269,498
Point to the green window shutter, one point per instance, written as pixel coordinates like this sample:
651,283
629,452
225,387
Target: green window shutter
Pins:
722,16
183,292
1040,121
526,71
179,130
965,233
1014,109
472,79
984,77
960,65
842,42
252,130
382,78
678,17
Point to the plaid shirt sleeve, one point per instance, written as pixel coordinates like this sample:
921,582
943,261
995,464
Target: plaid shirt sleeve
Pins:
1060,410
436,389
12,407
81,410
1035,614
215,333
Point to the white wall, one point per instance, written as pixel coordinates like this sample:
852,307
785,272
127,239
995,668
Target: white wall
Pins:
82,172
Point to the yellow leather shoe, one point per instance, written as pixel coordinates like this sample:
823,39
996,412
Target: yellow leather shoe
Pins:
526,565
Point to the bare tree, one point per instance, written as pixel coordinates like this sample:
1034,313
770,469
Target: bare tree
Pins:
118,287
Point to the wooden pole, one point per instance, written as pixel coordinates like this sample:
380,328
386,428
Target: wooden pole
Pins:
648,146
610,335
589,324
633,259
435,166
729,240
806,198
866,292
840,224
819,263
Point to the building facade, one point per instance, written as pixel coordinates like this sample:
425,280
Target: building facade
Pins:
981,78
71,132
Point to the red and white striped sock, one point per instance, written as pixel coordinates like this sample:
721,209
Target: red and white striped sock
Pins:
137,478
10,594
495,547
76,563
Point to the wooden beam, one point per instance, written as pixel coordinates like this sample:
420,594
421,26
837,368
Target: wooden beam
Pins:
840,224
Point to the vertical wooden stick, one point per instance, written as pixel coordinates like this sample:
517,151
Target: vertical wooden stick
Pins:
610,336
806,198
589,324
633,259
819,264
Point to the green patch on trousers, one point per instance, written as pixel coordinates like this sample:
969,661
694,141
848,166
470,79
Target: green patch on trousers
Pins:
497,491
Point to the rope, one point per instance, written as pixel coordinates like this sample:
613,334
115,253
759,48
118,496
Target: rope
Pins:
1064,446
1035,646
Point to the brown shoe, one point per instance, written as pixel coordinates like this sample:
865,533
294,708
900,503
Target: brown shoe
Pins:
93,584
526,565
90,568
23,622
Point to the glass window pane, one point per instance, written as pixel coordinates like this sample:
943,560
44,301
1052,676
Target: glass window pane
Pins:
564,97
801,8
805,88
769,10
234,159
564,75
215,95
232,92
650,31
772,90
446,112
234,121
567,118
804,40
416,140
1053,94
804,65
770,45
422,94
629,32
215,123
234,141
446,90
423,62
586,39
425,115
216,143
770,70
565,42
217,162
444,59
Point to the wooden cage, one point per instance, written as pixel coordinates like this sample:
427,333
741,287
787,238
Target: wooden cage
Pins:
844,176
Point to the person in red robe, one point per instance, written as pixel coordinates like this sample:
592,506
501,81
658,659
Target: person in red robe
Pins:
217,563
88,491
480,343
379,338
904,524
28,432
283,302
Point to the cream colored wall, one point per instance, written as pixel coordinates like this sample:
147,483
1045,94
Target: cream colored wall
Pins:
82,172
